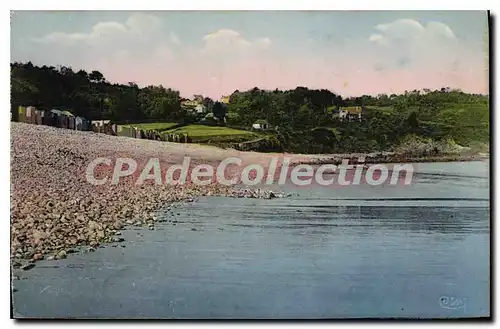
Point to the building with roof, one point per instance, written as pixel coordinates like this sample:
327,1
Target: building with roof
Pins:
350,113
261,125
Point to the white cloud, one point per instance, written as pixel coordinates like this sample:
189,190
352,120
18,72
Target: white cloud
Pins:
378,38
226,40
407,31
104,30
437,29
141,23
137,27
407,42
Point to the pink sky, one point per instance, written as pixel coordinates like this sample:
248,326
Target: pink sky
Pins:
350,78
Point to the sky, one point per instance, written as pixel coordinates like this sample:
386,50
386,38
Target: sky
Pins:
215,53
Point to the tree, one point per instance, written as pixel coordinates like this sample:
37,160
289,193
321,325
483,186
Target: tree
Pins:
96,76
219,110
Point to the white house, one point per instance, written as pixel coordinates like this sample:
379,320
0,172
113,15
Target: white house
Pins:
261,125
350,113
200,108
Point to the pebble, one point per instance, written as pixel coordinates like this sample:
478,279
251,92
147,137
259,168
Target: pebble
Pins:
38,257
61,254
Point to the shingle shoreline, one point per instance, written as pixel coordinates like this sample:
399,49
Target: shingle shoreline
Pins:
54,209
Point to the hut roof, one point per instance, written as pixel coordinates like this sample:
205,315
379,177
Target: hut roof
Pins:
262,122
68,113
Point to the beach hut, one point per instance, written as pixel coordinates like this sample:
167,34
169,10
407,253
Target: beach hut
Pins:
70,119
95,126
50,119
30,115
82,124
78,123
39,114
88,125
56,118
21,114
62,121
137,133
101,126
71,123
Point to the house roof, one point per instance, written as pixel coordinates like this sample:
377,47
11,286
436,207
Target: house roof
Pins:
190,102
261,122
352,109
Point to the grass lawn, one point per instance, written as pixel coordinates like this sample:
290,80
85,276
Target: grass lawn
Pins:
201,133
158,126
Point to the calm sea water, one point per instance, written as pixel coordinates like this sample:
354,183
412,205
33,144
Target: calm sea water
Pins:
419,251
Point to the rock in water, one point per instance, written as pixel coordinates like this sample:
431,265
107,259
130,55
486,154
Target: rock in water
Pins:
27,266
61,254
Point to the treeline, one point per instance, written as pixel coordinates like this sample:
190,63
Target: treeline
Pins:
303,120
88,94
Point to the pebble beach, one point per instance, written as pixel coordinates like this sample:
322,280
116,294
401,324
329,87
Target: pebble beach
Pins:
55,210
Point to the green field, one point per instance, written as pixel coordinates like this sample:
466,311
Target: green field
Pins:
384,110
204,134
158,126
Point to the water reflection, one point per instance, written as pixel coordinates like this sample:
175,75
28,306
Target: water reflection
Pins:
453,222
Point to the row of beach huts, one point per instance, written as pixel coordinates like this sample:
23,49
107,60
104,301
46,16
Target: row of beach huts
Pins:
54,118
66,120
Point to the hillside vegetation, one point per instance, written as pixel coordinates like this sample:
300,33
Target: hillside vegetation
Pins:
300,120
210,134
